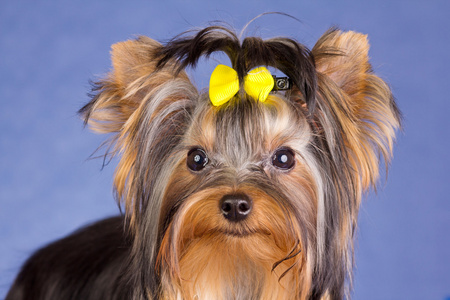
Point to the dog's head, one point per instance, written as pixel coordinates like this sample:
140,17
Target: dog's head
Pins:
247,199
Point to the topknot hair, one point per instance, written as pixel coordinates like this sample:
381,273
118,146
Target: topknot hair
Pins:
285,54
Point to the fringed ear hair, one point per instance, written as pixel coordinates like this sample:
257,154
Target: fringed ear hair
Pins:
146,108
363,103
117,96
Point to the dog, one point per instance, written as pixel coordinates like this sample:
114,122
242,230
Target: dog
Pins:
247,190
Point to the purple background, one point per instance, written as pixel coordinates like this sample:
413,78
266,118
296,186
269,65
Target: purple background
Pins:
49,187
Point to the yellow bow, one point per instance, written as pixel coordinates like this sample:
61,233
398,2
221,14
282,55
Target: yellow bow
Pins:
224,84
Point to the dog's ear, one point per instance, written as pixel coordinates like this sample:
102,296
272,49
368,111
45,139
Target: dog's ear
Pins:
131,82
145,107
361,103
344,57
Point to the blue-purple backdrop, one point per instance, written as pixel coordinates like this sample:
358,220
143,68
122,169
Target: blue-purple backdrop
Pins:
48,187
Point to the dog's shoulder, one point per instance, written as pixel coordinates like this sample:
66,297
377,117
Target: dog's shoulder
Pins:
88,264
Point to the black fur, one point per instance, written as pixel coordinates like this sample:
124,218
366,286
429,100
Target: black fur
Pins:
87,264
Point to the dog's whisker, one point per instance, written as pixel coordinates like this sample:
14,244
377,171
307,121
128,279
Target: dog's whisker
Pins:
289,256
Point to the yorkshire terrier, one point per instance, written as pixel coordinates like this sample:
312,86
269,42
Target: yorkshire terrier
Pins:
250,190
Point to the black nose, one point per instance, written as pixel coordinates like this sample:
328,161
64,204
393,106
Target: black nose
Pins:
236,207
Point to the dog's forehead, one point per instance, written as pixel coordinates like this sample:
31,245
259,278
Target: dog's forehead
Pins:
249,130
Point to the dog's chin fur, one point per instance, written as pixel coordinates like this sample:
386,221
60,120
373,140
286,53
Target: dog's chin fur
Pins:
228,267
174,241
203,255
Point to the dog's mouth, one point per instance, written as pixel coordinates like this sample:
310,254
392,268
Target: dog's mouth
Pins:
237,233
242,232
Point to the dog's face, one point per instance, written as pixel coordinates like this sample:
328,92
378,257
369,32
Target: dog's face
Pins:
241,197
248,199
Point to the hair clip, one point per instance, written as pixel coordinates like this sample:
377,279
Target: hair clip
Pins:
282,83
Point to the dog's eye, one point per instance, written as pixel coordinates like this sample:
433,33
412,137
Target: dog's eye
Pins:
283,158
197,159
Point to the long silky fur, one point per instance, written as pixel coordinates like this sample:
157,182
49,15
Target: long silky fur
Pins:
339,118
